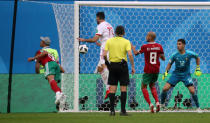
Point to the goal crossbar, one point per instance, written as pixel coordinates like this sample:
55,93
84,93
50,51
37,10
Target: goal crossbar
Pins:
138,3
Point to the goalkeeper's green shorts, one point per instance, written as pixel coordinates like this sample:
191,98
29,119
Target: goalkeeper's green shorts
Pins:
149,78
52,68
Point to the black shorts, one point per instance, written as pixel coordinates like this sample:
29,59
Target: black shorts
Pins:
118,72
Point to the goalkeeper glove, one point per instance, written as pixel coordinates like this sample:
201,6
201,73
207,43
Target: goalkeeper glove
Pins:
164,75
198,70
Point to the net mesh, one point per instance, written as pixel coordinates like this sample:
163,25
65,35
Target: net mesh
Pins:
169,24
64,15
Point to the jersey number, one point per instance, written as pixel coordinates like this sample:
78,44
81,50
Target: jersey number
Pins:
110,31
153,57
182,63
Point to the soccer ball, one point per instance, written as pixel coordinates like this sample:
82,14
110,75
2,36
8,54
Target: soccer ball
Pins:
83,49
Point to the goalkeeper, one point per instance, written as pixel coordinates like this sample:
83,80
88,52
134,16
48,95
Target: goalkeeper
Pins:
182,60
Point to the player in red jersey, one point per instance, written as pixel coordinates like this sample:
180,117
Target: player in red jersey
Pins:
152,52
52,70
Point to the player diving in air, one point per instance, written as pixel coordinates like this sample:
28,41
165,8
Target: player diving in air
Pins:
104,32
52,69
182,60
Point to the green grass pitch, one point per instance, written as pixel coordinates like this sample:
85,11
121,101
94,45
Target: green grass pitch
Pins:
104,118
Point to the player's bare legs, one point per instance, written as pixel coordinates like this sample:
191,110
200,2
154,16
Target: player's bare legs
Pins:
166,87
155,96
191,89
102,69
55,88
146,96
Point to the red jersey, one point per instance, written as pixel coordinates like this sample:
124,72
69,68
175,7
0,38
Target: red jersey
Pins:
152,53
45,59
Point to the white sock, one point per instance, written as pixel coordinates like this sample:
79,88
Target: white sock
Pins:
107,87
58,93
104,76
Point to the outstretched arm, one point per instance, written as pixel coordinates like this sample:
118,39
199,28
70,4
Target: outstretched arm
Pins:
167,70
131,61
44,53
168,67
98,44
197,61
198,70
134,50
91,40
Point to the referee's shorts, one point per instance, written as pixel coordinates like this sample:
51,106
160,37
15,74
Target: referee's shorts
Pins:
118,72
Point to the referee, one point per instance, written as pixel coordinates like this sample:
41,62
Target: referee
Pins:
118,48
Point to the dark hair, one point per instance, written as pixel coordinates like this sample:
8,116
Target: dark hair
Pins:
100,15
181,40
120,30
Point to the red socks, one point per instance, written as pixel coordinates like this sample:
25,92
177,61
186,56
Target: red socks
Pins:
154,94
146,95
54,86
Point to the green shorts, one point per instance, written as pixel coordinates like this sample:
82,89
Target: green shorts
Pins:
52,68
149,78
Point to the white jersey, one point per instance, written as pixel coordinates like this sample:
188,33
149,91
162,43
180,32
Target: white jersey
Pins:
105,31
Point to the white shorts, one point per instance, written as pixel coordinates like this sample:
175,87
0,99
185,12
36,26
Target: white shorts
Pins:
101,60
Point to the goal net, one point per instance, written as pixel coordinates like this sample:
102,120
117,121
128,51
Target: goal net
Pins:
85,90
